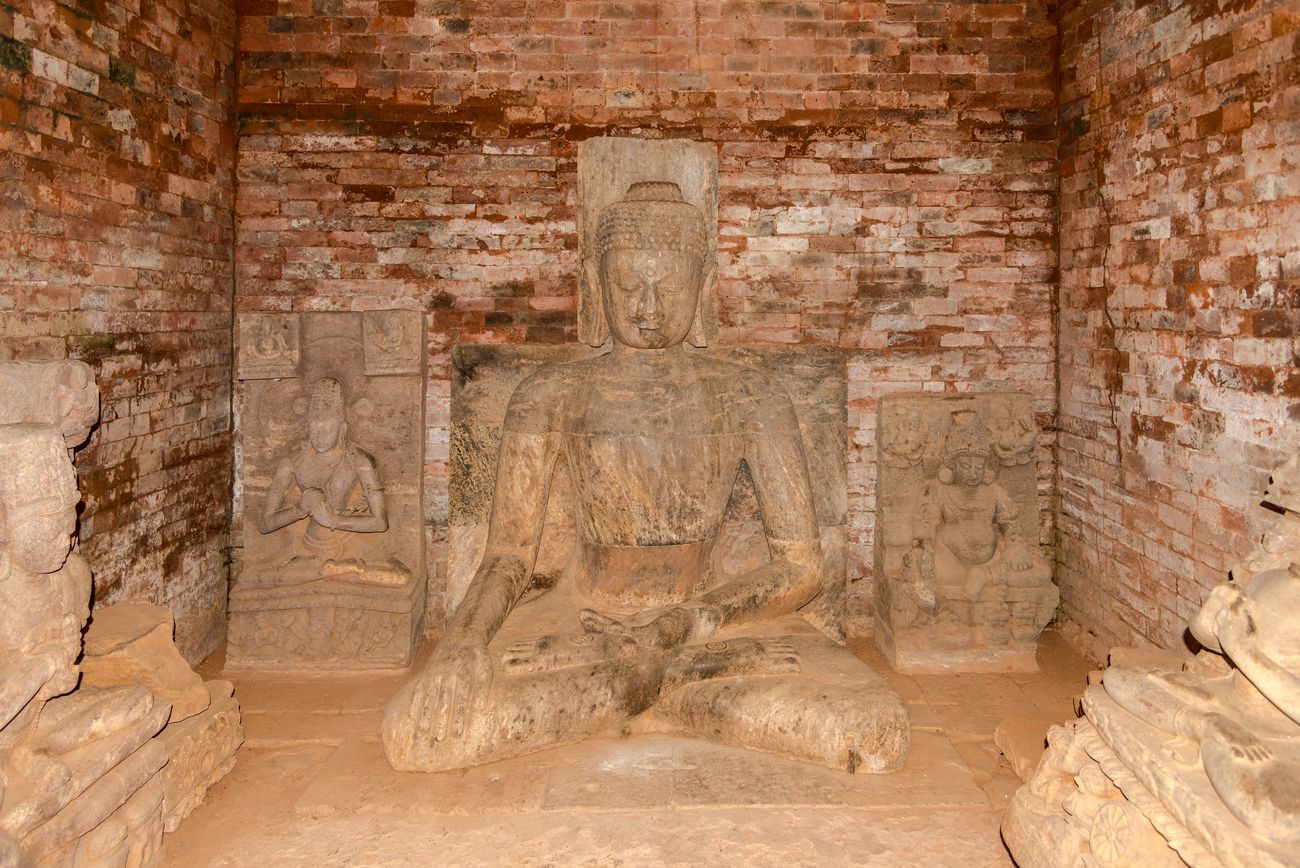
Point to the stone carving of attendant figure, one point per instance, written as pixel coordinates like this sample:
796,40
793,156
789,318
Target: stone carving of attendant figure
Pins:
46,758
653,436
326,471
967,541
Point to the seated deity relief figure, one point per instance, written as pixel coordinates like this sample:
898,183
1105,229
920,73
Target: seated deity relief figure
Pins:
70,759
1213,744
968,549
325,472
653,435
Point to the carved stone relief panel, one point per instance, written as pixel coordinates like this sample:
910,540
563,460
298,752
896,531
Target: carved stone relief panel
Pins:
332,572
961,582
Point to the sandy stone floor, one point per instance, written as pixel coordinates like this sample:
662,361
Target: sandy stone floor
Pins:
312,788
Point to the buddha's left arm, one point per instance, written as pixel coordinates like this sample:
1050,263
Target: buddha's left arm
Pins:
793,576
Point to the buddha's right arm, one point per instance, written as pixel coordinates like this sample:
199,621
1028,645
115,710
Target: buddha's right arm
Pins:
524,467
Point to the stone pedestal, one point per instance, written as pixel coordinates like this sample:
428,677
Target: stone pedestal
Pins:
325,625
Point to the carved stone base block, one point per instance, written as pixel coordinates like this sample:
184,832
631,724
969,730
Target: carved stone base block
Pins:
325,624
1113,791
200,752
131,644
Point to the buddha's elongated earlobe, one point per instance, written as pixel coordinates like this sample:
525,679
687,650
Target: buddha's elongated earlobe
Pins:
702,327
592,326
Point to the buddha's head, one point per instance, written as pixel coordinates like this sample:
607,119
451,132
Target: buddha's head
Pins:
967,451
653,270
326,421
38,499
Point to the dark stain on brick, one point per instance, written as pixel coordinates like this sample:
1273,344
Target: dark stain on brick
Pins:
457,25
15,55
121,72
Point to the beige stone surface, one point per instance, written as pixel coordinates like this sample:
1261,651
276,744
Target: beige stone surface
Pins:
329,508
1022,741
200,752
78,765
131,644
1180,759
313,787
960,580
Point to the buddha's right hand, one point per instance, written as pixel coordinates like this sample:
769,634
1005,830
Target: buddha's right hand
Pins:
450,689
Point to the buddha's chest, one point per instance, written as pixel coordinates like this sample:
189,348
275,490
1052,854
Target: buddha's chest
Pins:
652,488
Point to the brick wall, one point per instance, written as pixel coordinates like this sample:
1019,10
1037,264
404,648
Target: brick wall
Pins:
887,180
116,237
1180,298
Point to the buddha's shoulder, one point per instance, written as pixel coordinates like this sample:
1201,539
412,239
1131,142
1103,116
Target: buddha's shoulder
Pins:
742,387
540,398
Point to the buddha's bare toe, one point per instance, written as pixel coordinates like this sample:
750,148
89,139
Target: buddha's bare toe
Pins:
781,655
557,652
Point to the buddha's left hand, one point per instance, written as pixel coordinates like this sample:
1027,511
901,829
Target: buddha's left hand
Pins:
667,628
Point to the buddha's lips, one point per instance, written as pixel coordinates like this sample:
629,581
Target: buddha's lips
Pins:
650,325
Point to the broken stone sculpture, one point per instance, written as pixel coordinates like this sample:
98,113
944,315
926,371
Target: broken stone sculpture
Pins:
643,620
331,432
1195,764
79,769
961,582
132,644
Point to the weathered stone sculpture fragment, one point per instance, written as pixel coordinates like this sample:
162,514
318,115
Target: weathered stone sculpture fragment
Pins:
332,574
1195,764
961,583
131,644
644,620
79,782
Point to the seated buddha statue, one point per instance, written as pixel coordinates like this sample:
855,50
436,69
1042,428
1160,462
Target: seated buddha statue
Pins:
645,618
325,472
968,547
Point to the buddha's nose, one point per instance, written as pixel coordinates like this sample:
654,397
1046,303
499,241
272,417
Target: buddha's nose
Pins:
649,314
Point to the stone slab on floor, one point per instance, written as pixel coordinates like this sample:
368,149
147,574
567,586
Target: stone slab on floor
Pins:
639,773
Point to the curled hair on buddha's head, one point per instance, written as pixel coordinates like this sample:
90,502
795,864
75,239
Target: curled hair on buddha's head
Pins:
652,215
967,435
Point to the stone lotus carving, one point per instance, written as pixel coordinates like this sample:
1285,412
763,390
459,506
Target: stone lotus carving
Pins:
960,580
1195,763
642,621
79,780
332,572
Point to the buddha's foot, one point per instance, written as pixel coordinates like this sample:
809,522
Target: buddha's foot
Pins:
1259,782
730,659
558,652
1156,695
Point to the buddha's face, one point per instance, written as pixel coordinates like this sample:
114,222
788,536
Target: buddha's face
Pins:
650,295
324,432
968,470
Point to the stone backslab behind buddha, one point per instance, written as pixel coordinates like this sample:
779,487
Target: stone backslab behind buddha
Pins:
643,618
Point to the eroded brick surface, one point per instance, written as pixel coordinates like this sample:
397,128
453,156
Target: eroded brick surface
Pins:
1180,298
887,181
116,233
